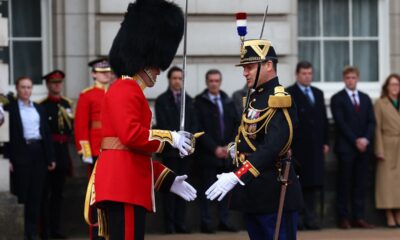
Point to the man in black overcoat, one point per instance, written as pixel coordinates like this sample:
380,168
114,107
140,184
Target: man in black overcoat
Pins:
311,140
217,117
167,108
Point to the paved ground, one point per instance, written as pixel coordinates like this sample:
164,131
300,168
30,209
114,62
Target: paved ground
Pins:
330,234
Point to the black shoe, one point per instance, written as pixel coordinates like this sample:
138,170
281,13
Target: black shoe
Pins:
181,229
300,227
58,236
207,229
392,226
226,227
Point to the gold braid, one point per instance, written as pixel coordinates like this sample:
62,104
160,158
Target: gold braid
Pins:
286,148
267,116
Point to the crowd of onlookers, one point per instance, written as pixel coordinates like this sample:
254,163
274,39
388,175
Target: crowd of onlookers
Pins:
39,136
362,131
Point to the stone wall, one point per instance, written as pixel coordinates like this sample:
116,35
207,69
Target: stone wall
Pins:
395,36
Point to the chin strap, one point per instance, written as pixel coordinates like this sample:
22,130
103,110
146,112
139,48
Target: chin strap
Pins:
253,87
257,75
148,73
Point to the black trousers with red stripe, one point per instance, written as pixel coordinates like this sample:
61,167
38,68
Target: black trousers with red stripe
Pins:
125,221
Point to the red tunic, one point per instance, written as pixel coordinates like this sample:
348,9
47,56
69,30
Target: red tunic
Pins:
129,176
87,118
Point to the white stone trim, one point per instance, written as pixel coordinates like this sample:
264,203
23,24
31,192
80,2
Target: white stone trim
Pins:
210,6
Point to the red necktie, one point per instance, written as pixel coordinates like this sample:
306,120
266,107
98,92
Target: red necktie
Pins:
355,103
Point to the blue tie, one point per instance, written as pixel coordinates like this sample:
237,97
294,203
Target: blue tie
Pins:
308,95
221,117
178,101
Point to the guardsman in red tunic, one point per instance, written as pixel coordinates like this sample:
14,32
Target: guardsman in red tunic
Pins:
87,120
59,112
87,115
126,177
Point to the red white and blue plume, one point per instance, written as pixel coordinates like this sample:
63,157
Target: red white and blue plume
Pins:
241,23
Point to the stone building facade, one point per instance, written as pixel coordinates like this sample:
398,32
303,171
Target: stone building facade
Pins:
40,35
37,36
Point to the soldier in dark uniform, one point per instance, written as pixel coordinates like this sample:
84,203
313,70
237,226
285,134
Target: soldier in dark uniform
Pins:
60,117
260,151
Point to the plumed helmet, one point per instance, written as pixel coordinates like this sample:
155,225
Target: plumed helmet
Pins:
255,51
149,36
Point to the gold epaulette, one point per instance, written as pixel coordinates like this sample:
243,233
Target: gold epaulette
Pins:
68,100
280,99
3,100
87,89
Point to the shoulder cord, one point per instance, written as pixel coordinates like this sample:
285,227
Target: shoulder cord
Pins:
268,115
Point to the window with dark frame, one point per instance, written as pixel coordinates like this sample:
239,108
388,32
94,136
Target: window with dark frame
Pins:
336,33
24,53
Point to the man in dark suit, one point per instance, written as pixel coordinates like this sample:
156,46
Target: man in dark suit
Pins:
217,117
167,108
30,152
311,139
355,123
59,112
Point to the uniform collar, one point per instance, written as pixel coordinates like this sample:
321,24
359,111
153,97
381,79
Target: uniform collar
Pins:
137,79
54,98
268,85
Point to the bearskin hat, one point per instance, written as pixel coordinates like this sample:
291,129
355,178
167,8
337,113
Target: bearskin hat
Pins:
149,36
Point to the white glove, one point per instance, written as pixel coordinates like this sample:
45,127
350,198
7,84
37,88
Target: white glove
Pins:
183,189
183,141
232,150
87,160
225,183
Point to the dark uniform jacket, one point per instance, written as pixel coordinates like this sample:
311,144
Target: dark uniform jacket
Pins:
168,118
258,166
350,124
17,147
311,134
208,120
59,112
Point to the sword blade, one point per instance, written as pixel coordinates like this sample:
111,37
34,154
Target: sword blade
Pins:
265,17
183,93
